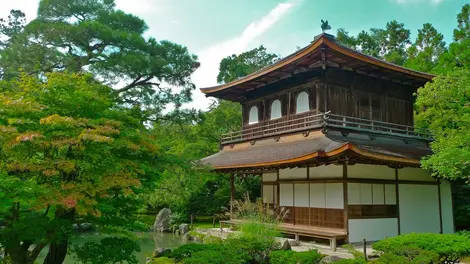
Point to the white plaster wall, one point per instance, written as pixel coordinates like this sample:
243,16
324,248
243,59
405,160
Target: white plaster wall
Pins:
354,193
378,194
317,195
286,194
419,208
366,171
414,174
294,173
328,171
446,203
301,195
334,195
390,194
367,193
372,229
270,177
268,193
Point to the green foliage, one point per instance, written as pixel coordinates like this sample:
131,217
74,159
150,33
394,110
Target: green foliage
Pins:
96,37
188,250
292,257
423,55
108,250
443,107
449,248
389,43
69,153
162,260
236,66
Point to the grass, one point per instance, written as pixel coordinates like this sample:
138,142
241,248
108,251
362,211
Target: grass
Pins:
204,224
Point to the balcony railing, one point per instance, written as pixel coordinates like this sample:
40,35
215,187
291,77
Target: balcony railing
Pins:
313,119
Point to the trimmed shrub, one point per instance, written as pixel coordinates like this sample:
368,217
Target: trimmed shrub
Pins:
188,250
450,248
413,256
162,260
292,257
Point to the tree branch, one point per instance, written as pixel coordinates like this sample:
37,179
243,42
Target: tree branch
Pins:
137,82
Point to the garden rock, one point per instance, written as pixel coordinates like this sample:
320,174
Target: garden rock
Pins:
286,245
330,259
187,237
161,252
183,229
162,221
294,242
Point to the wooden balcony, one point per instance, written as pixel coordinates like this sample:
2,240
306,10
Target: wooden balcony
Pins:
315,120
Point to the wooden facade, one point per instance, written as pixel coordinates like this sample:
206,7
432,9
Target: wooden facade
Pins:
331,133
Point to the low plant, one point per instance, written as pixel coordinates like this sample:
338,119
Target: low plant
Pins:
450,248
162,260
108,251
292,257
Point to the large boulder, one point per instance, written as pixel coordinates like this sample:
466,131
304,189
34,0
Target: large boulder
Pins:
161,252
183,229
162,221
286,245
187,237
330,259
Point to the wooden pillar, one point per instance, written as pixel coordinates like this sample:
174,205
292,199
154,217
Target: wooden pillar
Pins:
278,190
308,182
289,94
345,197
397,201
232,194
440,205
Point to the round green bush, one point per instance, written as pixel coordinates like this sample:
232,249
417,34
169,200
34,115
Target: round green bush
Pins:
450,248
292,257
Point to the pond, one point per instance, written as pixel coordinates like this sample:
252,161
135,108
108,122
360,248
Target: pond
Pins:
148,242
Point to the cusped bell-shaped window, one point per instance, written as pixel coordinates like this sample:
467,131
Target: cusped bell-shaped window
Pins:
302,103
253,116
276,109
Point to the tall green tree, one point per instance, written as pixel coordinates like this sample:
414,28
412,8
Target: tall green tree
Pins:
344,38
68,151
458,54
95,37
443,106
237,66
426,50
387,43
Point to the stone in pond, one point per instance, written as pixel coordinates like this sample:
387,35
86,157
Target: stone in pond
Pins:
161,252
183,229
162,221
187,237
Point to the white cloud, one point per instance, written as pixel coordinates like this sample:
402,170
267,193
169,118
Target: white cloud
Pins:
210,58
29,7
404,2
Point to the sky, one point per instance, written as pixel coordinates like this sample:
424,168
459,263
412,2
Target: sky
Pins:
214,29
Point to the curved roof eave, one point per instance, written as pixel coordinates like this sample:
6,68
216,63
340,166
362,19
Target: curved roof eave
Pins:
322,39
345,147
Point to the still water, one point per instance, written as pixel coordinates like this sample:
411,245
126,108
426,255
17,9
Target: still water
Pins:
147,241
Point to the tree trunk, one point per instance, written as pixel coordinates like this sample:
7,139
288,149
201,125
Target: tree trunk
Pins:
57,252
58,248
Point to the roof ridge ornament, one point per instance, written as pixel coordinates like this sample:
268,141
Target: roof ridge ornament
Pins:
325,26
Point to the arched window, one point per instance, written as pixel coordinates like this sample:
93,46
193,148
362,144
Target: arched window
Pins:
253,118
302,103
276,109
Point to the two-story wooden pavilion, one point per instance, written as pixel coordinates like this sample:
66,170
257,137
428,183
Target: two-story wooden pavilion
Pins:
330,131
